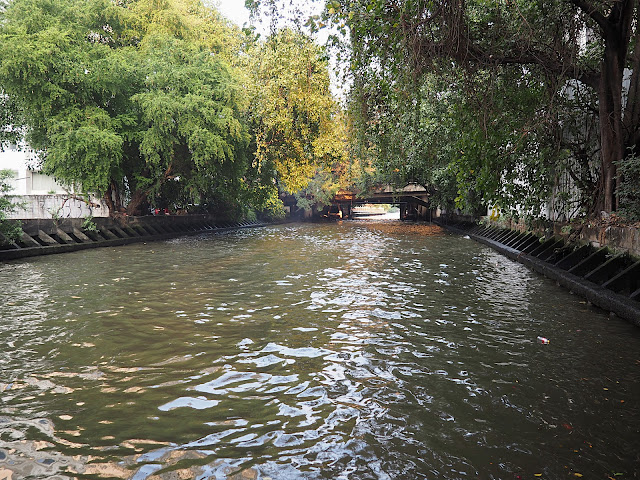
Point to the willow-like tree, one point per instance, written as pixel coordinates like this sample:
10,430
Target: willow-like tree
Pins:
294,116
131,100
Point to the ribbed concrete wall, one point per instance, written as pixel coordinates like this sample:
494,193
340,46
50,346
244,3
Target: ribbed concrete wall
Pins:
606,278
44,237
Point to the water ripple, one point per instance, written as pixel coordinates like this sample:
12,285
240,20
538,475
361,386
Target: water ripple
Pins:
344,351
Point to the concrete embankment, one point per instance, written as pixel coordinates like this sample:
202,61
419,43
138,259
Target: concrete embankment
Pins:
606,278
44,237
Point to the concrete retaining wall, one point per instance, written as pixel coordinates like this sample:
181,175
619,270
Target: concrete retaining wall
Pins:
44,237
618,239
607,279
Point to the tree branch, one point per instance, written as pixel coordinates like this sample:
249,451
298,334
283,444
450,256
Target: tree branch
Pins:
593,13
470,53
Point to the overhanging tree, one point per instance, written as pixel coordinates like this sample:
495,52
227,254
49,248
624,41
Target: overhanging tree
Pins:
123,98
594,42
293,115
565,39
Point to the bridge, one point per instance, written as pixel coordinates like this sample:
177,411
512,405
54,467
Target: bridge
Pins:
413,201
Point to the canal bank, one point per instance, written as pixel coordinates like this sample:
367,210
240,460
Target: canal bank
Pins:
47,236
607,276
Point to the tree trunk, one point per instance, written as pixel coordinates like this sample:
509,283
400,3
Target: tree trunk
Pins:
611,132
616,32
108,198
139,204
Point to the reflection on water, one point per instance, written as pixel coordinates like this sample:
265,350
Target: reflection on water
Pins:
342,351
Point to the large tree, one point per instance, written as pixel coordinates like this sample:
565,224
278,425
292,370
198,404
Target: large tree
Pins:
589,42
582,43
134,100
293,114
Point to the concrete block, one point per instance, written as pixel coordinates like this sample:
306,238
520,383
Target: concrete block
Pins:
108,233
120,232
78,233
64,237
29,241
46,238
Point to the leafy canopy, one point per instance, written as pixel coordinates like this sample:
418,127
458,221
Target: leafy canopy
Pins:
293,114
126,97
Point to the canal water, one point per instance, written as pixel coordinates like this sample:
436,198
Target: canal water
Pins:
352,350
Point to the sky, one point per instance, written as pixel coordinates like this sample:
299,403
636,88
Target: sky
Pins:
234,10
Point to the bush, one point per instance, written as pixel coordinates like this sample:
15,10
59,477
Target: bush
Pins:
88,225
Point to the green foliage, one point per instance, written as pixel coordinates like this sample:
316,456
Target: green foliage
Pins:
192,135
629,187
292,111
10,121
11,229
273,209
88,225
503,157
490,92
136,98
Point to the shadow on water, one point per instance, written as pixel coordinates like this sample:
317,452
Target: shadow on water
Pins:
353,350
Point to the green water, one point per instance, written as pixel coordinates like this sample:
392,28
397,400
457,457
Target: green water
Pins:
338,351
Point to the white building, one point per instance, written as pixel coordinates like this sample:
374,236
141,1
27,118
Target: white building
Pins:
40,195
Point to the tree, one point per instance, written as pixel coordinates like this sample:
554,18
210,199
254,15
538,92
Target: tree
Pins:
589,43
132,100
10,121
191,130
293,115
556,38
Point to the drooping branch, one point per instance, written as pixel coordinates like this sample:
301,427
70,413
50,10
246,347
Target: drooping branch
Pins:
548,61
455,41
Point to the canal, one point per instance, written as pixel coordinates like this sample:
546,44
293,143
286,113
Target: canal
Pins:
349,350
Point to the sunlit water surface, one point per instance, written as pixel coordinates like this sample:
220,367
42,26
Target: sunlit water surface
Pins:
339,351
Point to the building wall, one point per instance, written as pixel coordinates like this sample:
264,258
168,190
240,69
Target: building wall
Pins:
58,206
41,196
